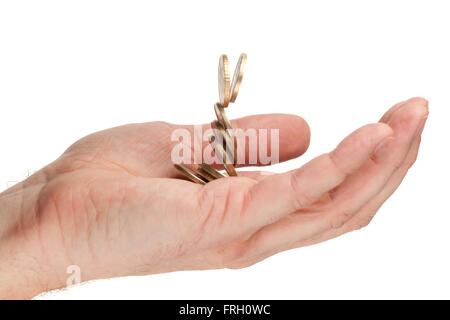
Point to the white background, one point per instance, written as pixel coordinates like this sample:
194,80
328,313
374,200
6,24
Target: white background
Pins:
69,68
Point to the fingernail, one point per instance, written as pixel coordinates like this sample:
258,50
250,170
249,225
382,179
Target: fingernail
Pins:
420,127
383,143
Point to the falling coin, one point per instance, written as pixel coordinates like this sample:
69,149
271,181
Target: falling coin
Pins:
227,140
237,77
224,81
221,154
222,117
188,173
223,140
223,120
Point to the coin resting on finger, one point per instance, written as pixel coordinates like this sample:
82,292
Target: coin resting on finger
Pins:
188,173
205,174
213,172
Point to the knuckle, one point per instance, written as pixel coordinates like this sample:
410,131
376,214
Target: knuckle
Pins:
335,163
340,220
362,222
397,165
419,101
411,162
302,199
240,265
232,257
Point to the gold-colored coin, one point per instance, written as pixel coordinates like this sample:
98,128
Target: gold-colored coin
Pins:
223,140
224,80
213,172
227,140
238,76
221,153
205,175
226,124
222,117
188,173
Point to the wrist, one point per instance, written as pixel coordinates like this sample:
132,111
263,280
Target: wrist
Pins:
23,269
20,276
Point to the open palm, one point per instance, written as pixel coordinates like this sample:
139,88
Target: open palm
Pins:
112,205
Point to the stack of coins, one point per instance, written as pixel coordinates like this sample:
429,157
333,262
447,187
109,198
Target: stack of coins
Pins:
223,140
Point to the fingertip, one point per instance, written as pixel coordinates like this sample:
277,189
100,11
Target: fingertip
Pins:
294,131
419,102
418,107
414,111
296,136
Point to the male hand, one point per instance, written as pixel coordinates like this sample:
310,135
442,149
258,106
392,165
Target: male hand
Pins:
111,204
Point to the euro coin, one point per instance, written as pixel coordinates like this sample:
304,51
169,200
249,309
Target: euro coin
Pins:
213,172
205,175
222,117
227,140
238,76
224,81
222,156
188,173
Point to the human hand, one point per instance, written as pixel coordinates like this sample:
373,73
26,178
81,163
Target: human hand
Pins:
110,203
